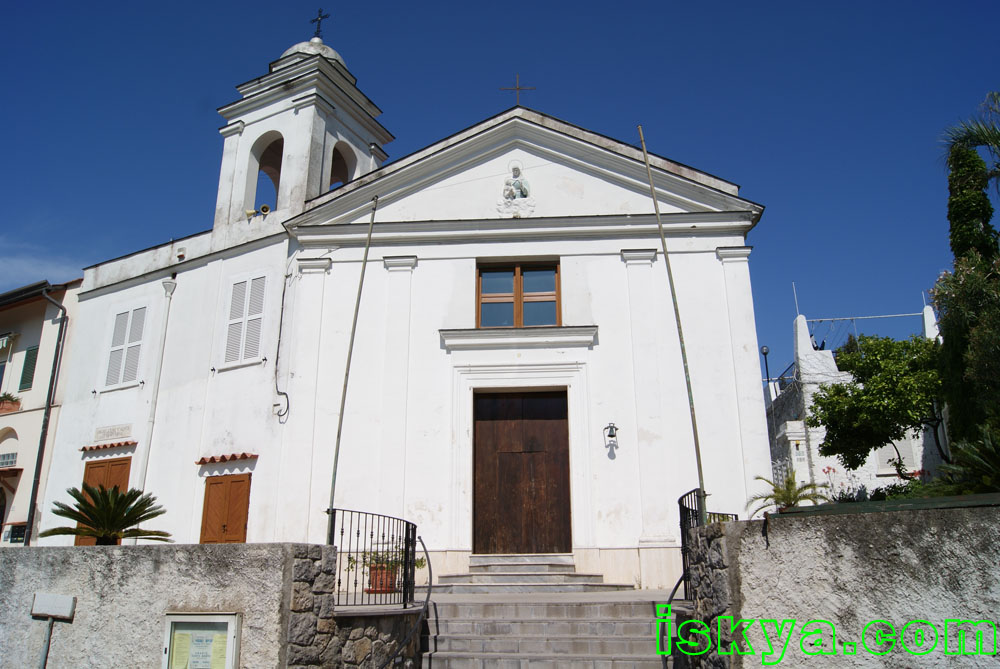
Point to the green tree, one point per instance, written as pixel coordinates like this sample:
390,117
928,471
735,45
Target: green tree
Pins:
981,131
893,391
786,493
108,515
968,304
969,208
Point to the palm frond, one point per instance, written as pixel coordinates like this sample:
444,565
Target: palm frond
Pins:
108,514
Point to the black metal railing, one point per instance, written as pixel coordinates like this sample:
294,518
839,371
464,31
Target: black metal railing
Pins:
376,559
689,504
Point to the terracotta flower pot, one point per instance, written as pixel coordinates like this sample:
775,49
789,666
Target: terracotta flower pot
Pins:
381,579
6,406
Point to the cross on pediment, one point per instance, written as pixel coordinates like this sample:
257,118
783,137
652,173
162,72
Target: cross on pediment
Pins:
517,88
319,22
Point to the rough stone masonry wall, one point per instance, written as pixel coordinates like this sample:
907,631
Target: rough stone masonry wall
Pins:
283,591
930,564
319,637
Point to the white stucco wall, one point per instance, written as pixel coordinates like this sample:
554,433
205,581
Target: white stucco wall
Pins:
407,429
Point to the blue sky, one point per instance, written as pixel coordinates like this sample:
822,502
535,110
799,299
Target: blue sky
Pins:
828,114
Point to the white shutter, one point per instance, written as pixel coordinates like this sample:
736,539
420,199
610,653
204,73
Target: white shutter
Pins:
135,330
255,318
237,313
246,318
126,342
117,350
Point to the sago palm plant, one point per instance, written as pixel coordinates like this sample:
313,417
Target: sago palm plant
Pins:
787,493
109,515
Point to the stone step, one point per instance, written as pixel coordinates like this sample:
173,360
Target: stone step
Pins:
508,567
520,577
502,588
457,660
644,646
526,558
591,627
551,609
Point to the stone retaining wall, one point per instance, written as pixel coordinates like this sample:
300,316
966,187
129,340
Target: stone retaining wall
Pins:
896,566
283,591
319,637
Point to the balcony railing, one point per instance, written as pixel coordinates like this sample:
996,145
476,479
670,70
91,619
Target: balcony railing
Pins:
376,559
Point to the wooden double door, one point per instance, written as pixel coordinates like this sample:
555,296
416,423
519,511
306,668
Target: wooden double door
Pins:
110,474
521,498
226,510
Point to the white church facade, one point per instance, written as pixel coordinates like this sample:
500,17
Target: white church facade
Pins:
514,306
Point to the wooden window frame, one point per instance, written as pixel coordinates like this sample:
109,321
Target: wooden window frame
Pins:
518,297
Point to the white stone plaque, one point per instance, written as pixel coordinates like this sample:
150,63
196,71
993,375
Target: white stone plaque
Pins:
109,432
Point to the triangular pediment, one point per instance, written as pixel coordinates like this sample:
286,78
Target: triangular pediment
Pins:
565,172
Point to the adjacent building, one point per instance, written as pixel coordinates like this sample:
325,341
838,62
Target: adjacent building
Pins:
34,325
795,445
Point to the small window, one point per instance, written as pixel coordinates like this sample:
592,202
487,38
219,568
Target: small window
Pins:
8,459
16,532
515,296
246,319
126,343
28,370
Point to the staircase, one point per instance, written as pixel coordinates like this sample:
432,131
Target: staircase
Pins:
534,611
546,572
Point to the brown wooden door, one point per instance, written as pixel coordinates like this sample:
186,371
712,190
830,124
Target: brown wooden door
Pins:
521,463
107,473
227,506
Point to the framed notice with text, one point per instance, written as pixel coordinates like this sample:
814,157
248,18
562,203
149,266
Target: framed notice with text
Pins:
202,641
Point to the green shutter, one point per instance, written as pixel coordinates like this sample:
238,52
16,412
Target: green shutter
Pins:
28,371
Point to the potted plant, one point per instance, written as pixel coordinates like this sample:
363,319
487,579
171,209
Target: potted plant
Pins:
787,493
9,403
382,566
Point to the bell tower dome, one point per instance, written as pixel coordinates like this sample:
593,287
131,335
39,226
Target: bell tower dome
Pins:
297,132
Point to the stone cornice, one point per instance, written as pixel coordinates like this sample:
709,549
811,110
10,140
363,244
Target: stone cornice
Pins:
506,338
731,253
397,263
310,265
647,256
543,136
621,226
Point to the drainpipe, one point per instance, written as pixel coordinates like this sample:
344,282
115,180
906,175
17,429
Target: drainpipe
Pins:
49,398
168,291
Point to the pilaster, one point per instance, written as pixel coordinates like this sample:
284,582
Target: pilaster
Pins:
392,451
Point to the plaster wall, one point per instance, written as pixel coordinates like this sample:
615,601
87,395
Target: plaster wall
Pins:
897,566
407,427
123,594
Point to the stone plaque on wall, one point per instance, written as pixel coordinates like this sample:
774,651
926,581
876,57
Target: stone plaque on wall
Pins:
109,432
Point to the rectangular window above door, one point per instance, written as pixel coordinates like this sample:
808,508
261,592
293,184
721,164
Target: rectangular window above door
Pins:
517,295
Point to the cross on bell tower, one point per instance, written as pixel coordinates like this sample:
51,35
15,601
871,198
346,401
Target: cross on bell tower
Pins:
319,22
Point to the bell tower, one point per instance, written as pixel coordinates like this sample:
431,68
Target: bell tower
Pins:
302,129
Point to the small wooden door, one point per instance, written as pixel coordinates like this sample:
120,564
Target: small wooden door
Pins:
227,506
107,473
521,463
